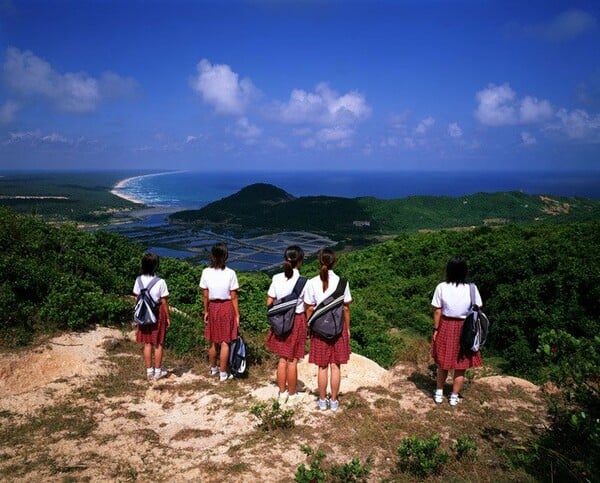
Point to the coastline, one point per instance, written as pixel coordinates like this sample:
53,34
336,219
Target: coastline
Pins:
120,185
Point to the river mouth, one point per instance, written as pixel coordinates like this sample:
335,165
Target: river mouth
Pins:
247,253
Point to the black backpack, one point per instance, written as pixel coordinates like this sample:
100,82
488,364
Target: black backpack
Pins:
281,313
475,327
327,320
146,308
237,356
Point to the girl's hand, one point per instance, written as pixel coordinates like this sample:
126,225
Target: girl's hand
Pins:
206,317
237,321
168,322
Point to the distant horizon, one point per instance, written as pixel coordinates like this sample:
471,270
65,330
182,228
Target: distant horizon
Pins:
565,170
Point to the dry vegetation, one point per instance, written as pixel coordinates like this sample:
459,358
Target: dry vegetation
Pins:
77,408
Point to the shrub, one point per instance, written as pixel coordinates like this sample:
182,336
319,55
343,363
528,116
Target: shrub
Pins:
464,447
572,442
351,472
273,418
421,456
185,335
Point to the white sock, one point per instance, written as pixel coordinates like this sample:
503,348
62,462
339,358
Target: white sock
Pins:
150,370
439,392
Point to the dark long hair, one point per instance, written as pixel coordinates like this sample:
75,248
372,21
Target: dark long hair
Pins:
456,270
218,255
150,262
327,261
292,257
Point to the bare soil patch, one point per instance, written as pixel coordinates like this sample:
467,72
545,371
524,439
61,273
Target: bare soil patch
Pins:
78,408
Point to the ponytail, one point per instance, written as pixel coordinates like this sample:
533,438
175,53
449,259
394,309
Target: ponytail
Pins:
327,261
324,275
288,270
293,257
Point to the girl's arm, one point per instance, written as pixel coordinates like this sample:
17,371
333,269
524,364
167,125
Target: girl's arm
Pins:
205,303
437,314
165,306
347,318
270,300
234,301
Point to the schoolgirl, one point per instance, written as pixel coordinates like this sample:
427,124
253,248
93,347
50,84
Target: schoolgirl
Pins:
291,347
328,355
219,287
153,335
451,302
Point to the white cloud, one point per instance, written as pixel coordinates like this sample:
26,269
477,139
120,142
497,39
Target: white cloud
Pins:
533,110
39,138
454,130
565,26
389,142
8,111
409,142
425,125
34,78
324,106
499,106
578,124
335,134
527,139
191,139
246,130
222,88
495,105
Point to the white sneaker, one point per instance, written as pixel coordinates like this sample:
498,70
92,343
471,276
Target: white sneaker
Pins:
322,404
223,376
159,374
283,398
334,405
438,397
454,399
150,373
214,371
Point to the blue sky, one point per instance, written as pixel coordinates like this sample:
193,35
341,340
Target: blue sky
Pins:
284,85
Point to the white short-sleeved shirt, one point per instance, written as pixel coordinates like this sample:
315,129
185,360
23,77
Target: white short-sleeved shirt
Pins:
219,282
313,292
281,286
454,300
158,291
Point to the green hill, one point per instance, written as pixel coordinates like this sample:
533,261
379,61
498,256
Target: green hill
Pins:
265,207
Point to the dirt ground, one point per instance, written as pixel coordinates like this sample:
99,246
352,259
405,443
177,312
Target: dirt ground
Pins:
78,408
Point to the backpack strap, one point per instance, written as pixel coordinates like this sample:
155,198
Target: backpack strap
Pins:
300,283
472,291
151,284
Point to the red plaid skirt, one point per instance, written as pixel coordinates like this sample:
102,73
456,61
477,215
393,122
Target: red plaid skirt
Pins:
153,333
221,322
446,348
292,346
324,352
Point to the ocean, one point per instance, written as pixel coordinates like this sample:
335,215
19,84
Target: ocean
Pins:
188,189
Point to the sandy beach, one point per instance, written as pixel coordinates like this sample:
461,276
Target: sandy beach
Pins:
118,188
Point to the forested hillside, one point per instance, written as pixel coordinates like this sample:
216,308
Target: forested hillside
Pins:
81,197
268,208
540,286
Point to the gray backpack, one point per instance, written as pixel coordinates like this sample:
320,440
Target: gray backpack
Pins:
327,320
475,327
146,308
281,313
